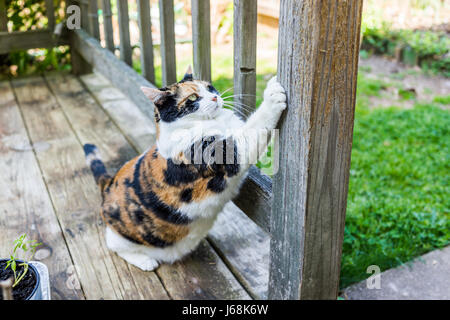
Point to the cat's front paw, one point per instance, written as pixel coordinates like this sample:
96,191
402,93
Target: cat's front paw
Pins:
275,95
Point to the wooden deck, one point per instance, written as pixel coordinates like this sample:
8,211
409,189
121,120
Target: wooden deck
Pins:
47,191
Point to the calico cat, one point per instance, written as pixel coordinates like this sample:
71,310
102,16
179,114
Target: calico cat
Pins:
161,204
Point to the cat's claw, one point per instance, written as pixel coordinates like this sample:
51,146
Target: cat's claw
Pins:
275,94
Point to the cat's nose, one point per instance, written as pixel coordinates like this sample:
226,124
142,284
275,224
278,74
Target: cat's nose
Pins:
214,98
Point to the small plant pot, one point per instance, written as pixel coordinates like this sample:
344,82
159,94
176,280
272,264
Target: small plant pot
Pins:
29,288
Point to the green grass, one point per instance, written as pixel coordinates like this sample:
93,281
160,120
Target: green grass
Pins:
442,100
398,206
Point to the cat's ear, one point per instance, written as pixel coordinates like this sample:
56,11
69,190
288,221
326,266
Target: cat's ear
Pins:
188,75
153,94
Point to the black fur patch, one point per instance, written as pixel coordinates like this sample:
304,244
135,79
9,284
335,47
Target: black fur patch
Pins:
176,174
169,112
217,184
186,195
151,201
211,89
187,77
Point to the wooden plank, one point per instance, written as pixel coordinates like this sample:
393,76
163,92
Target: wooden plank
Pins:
168,57
145,31
201,39
110,67
50,13
319,73
3,16
94,28
202,275
92,125
76,198
255,196
107,25
25,205
244,29
122,111
23,40
244,247
124,32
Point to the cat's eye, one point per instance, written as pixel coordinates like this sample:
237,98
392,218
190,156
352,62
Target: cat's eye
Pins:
192,97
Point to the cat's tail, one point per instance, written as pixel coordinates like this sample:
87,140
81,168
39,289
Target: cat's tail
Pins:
93,160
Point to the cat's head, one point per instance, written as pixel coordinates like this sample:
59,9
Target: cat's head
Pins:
188,99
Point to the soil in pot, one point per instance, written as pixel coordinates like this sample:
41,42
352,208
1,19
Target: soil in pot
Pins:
24,288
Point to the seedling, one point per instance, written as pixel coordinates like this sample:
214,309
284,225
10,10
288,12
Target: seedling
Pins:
29,248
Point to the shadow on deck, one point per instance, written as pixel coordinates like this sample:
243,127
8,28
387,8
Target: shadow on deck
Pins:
49,193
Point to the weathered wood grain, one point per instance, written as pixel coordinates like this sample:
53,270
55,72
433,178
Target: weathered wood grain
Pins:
317,65
90,123
22,40
76,198
145,32
167,27
244,30
255,197
122,111
25,206
110,67
244,247
124,32
201,39
107,25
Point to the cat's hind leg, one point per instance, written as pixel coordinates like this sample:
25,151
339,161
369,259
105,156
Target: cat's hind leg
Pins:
135,254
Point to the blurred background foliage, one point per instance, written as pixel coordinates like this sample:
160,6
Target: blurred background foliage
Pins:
26,15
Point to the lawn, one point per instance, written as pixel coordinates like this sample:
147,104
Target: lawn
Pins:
398,203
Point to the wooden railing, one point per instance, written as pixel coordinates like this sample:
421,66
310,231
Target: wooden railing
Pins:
317,65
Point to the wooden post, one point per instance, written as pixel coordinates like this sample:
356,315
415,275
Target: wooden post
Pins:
245,21
50,13
124,32
79,64
168,57
3,16
201,39
107,25
317,65
84,7
145,29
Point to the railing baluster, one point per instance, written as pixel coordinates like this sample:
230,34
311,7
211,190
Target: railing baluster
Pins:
145,29
84,6
245,20
169,70
3,16
50,13
124,31
107,25
201,39
94,28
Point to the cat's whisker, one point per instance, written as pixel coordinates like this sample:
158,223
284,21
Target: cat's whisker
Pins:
243,106
226,91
